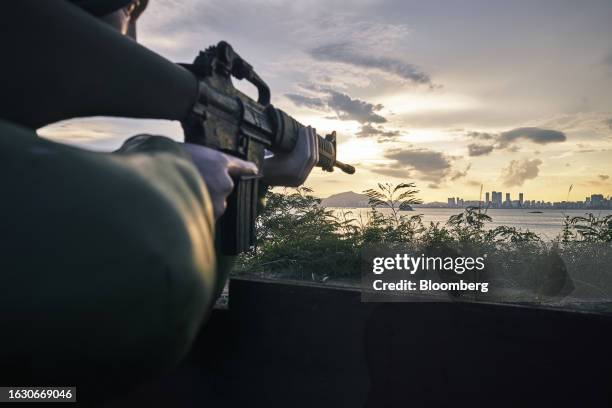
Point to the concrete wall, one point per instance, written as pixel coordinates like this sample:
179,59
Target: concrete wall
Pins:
295,345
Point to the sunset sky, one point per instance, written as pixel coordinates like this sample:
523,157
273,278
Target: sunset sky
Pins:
513,95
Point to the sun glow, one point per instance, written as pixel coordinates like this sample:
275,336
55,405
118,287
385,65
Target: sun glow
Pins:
360,151
427,102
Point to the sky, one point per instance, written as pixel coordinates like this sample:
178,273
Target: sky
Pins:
513,96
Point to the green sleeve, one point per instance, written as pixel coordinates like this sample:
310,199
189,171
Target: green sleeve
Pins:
108,260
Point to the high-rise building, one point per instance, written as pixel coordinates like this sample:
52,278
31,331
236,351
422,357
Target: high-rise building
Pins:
451,202
487,197
520,199
597,200
496,199
507,202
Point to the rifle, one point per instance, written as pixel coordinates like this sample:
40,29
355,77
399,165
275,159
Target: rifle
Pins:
227,120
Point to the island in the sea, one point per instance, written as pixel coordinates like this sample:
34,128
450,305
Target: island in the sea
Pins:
347,199
350,199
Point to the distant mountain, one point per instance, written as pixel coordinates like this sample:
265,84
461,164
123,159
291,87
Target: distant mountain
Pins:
346,199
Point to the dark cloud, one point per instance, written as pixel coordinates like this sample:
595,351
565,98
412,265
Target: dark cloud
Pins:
345,107
507,140
603,177
460,174
347,54
534,134
475,149
481,135
348,108
421,159
306,101
431,166
518,172
379,133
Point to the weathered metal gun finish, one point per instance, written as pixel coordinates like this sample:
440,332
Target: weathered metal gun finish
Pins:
227,120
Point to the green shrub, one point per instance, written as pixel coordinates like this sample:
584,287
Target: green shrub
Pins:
297,238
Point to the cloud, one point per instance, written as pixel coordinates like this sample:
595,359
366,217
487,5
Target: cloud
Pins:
513,148
420,159
391,171
590,125
345,107
431,165
481,135
348,108
518,172
602,180
534,134
106,133
306,101
379,133
346,53
507,140
475,149
460,174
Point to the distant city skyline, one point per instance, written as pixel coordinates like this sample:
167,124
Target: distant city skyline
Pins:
494,200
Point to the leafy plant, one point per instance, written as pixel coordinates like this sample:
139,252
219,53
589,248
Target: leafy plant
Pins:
396,198
592,228
299,239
